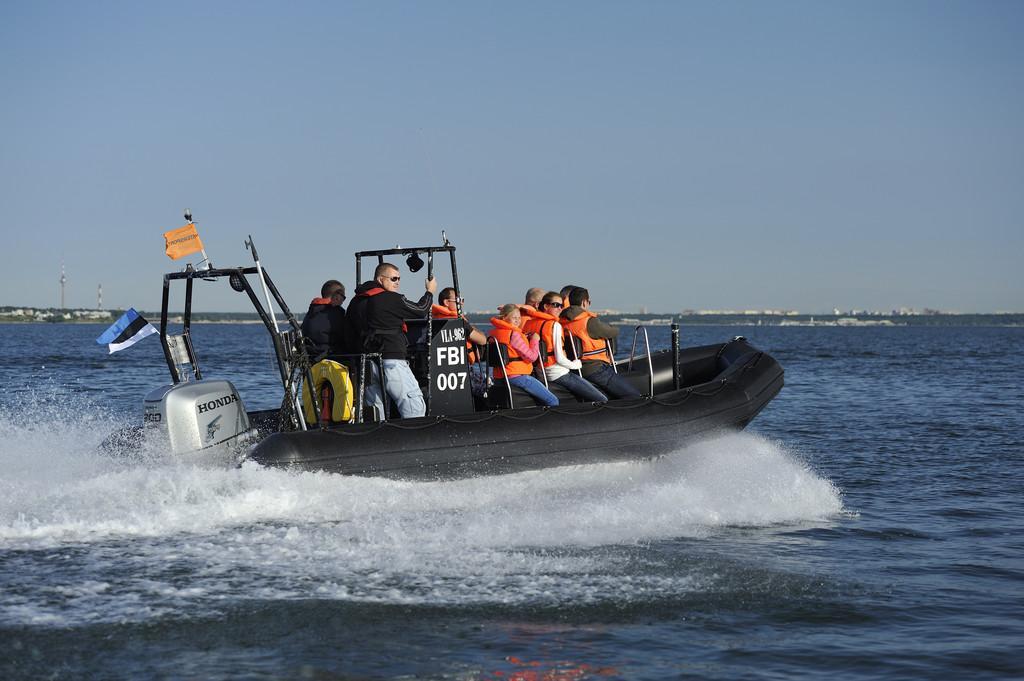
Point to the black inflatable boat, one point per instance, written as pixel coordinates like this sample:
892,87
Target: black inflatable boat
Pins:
687,394
725,386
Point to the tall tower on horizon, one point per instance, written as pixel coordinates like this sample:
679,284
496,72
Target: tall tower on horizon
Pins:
99,296
63,280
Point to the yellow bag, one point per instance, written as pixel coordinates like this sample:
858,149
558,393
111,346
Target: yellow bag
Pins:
334,387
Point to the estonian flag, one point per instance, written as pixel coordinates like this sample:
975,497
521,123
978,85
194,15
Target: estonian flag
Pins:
126,331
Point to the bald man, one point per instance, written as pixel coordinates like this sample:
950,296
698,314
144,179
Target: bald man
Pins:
531,301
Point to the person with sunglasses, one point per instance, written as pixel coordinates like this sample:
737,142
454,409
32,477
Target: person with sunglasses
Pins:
557,367
386,311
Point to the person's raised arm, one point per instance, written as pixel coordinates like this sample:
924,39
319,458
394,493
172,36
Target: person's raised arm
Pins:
475,336
422,306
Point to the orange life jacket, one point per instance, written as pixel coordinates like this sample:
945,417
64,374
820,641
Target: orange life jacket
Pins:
527,312
442,312
594,349
544,324
502,332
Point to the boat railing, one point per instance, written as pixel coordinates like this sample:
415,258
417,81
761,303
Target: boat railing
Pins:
575,351
375,358
287,343
495,355
650,363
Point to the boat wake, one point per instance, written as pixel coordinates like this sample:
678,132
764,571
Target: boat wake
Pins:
152,538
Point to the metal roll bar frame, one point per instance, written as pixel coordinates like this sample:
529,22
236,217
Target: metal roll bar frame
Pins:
237,276
380,254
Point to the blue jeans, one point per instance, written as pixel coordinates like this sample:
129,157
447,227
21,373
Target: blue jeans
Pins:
580,387
536,389
401,387
613,384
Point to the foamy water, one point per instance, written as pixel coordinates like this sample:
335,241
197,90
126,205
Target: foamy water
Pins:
149,537
730,558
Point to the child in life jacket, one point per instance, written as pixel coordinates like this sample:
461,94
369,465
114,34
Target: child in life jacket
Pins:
522,353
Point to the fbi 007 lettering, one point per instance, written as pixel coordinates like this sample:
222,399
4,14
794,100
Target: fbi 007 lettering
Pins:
218,402
452,356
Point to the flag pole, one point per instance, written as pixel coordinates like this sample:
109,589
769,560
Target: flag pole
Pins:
202,249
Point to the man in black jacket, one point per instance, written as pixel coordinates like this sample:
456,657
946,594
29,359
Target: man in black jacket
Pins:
325,326
356,315
386,312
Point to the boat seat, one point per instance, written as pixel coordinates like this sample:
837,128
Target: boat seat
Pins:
497,396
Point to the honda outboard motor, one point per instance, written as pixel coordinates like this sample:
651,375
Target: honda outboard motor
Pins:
202,421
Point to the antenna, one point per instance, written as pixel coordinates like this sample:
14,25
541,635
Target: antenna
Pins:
63,280
206,258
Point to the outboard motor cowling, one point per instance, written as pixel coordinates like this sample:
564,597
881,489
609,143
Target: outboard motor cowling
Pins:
202,420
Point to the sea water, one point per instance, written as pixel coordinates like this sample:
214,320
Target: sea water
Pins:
867,525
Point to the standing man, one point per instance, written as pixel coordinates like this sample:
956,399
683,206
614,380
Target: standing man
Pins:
386,313
325,326
596,337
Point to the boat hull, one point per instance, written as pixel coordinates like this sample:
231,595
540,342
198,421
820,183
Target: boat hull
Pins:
743,381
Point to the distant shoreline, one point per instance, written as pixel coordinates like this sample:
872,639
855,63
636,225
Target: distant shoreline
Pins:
994,320
107,322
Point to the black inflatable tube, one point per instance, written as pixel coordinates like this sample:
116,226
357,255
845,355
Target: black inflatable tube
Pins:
735,381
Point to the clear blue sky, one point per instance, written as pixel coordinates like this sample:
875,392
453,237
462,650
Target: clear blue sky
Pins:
676,155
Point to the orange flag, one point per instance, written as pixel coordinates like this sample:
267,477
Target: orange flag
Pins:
182,242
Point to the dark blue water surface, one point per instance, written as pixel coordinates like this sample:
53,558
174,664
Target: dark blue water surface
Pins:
867,525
